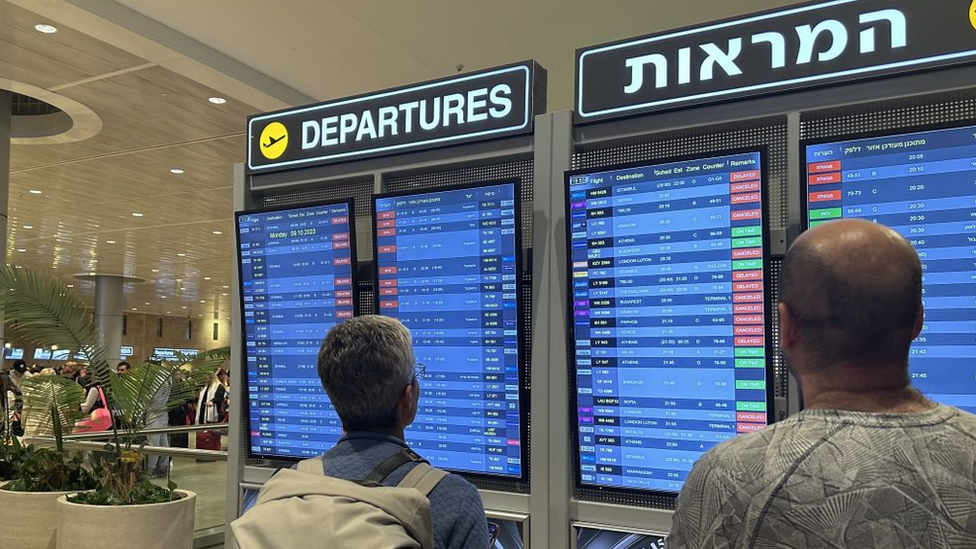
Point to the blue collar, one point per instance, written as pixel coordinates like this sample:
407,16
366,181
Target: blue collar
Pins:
372,435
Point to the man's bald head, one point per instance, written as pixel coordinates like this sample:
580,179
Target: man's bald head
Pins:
854,289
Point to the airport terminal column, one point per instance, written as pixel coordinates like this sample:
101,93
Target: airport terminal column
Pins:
108,315
6,102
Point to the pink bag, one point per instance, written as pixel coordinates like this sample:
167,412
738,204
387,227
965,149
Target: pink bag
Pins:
100,420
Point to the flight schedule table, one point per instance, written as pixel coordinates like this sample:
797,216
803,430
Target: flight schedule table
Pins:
296,283
922,185
447,267
668,279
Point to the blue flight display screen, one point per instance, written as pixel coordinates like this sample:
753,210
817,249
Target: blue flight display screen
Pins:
922,186
296,283
669,316
447,267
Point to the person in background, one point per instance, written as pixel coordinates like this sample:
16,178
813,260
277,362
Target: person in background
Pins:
71,369
182,415
123,368
870,462
157,417
368,369
210,403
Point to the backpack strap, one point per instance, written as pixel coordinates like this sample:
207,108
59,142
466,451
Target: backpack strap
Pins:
392,463
423,478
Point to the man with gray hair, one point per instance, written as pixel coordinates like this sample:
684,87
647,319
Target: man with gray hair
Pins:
368,369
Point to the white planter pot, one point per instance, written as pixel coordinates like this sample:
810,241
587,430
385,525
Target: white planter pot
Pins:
157,526
27,519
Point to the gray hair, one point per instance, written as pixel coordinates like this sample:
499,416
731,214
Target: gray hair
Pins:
364,364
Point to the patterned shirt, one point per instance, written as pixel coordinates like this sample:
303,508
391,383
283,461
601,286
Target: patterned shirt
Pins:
834,479
456,510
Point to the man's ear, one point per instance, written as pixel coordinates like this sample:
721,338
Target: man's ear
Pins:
919,322
788,330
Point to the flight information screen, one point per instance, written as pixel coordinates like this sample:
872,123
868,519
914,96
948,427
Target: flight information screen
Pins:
670,315
296,283
922,185
448,268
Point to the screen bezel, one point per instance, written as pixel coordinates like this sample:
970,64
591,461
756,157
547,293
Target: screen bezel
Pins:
520,308
763,151
354,267
857,136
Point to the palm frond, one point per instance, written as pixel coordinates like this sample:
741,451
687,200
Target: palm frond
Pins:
52,405
49,314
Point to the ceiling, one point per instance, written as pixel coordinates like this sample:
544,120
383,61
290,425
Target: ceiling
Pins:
147,68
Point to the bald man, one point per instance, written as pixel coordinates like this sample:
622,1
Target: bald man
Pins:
870,462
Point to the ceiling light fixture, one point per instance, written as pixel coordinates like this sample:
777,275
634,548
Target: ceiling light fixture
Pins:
206,278
203,301
184,307
35,191
217,100
181,255
134,309
28,227
110,242
147,304
176,171
21,250
70,286
155,270
218,232
135,214
45,28
168,312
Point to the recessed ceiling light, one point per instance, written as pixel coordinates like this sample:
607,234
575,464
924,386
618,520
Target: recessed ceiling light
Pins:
168,312
134,309
180,255
28,227
147,304
45,28
70,286
176,171
21,250
155,270
35,191
218,232
217,100
134,214
162,297
225,293
225,287
203,301
110,242
206,278
184,307
20,267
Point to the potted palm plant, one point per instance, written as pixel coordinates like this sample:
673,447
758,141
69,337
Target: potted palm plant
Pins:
32,479
125,509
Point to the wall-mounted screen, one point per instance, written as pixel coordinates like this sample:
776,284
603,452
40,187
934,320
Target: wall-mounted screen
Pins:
668,276
42,354
14,353
297,281
448,266
170,354
61,354
921,185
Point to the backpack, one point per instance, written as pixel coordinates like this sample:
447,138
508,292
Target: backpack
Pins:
303,508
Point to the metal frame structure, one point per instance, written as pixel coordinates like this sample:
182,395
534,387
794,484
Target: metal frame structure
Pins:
553,501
